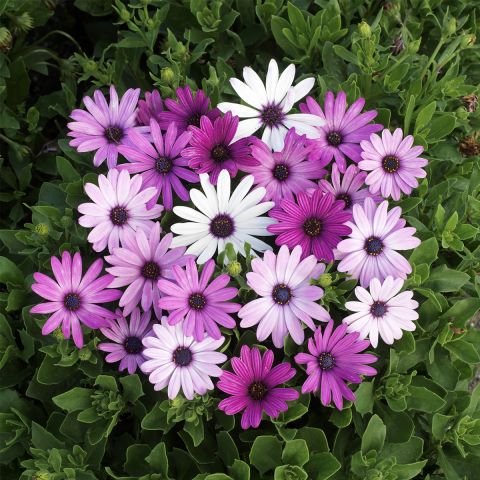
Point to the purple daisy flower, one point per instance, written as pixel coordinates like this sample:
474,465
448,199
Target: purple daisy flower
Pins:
370,252
104,127
335,359
287,298
140,263
187,110
198,303
160,164
315,223
127,339
393,163
212,148
149,108
343,131
72,298
254,387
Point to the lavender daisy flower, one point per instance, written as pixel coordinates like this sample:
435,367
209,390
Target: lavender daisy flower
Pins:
181,362
393,163
382,311
212,148
149,108
126,345
370,252
104,127
199,304
343,129
118,206
315,223
187,110
287,298
140,263
160,164
254,387
335,359
72,298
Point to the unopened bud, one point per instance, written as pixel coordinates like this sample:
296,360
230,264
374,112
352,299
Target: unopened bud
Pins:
5,40
450,27
42,229
167,75
234,268
364,30
325,280
84,354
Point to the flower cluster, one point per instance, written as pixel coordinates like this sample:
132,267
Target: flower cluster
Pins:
313,190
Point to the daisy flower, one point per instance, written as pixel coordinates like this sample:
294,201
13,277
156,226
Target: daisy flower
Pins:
393,163
72,299
140,263
212,148
105,126
382,311
181,362
223,218
287,298
160,165
269,105
199,304
119,205
254,387
334,358
316,223
377,233
149,108
126,346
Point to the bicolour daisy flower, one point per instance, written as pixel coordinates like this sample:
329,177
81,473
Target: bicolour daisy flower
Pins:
199,304
287,298
370,252
187,110
126,346
334,358
105,126
140,263
149,108
72,298
393,163
269,105
343,130
254,387
212,148
180,362
119,205
316,223
284,173
382,311
160,165
223,218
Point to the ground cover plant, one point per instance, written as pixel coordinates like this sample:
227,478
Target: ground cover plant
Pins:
202,278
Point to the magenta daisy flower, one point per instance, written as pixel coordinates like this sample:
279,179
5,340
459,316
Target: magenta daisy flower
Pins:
335,359
393,163
199,303
343,131
187,110
315,223
160,164
149,108
370,252
254,387
105,126
126,346
140,263
212,148
287,298
72,299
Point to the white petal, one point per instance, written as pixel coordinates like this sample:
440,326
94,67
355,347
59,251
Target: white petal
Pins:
255,83
284,83
272,80
247,128
303,87
240,192
237,109
223,191
190,214
246,93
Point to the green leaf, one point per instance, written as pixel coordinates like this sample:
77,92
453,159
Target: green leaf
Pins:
364,401
425,115
462,311
239,470
43,439
295,452
66,170
374,436
465,351
426,252
266,453
424,400
315,438
195,430
322,466
227,450
132,388
286,472
75,399
10,273
408,113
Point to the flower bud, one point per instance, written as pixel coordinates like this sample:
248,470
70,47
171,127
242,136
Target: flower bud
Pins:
364,30
167,75
325,280
84,354
5,40
450,27
42,229
234,268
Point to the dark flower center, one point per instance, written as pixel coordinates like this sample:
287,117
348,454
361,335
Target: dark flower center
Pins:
346,198
182,356
391,163
151,271
257,390
373,246
312,227
280,172
163,165
197,301
195,119
221,226
272,115
326,361
119,216
378,309
281,294
220,153
72,301
114,134
334,139
133,345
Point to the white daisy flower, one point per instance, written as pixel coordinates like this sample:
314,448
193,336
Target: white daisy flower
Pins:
382,311
270,104
223,218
